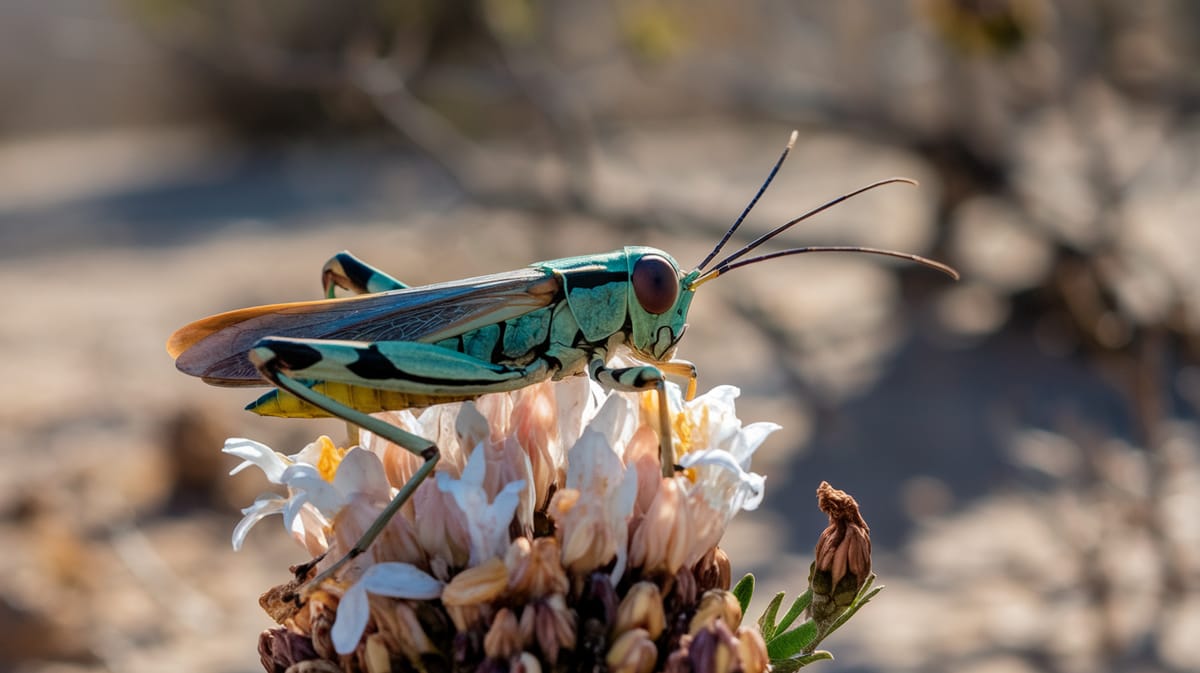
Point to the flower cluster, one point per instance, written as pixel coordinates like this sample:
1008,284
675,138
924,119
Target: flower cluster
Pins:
547,539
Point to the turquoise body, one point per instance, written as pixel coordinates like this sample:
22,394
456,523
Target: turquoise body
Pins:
594,311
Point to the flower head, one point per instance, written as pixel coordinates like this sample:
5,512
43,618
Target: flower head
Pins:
514,551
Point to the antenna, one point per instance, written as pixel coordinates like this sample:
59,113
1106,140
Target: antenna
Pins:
750,206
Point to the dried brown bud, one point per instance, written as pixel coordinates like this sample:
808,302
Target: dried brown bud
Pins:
535,569
315,666
551,624
599,599
842,559
632,652
752,650
322,610
712,571
642,608
300,621
526,663
404,634
375,655
472,590
503,639
661,541
712,649
279,649
714,605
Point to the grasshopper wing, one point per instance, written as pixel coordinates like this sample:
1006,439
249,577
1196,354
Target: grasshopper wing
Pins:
214,348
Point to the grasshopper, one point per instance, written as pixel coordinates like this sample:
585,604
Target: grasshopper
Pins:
393,347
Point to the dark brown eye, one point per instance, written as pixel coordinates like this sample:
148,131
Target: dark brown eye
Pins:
655,284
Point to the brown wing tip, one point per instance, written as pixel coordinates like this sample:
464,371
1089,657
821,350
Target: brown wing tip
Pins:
189,335
180,341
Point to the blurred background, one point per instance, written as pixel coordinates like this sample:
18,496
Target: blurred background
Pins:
1024,443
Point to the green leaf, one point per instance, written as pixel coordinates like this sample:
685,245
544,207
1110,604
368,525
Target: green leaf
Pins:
744,591
798,606
766,623
819,655
791,643
795,663
786,666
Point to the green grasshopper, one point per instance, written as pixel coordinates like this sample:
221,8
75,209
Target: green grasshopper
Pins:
395,347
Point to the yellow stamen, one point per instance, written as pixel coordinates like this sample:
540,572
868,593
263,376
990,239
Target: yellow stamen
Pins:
684,427
331,456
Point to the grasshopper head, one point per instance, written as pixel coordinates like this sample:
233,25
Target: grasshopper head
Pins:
659,298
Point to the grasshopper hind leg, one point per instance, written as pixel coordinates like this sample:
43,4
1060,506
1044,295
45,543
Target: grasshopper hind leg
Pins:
419,446
351,274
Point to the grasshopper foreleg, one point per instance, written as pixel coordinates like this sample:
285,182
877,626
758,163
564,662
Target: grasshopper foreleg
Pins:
638,379
354,275
684,370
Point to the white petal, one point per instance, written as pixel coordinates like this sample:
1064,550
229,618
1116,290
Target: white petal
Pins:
622,504
362,472
310,454
749,439
292,511
616,421
593,460
578,399
353,611
747,486
620,508
487,524
721,396
256,453
401,580
320,493
489,529
264,505
471,426
476,468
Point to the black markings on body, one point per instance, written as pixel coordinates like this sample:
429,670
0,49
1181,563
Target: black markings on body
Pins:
497,354
587,279
292,355
375,366
358,273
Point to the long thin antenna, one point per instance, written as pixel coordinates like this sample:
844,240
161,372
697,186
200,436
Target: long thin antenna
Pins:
825,206
761,190
728,265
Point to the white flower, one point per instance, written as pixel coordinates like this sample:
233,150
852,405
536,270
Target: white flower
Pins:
395,580
715,451
487,523
719,448
320,482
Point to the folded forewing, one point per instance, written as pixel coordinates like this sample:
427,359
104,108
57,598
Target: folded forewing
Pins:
214,348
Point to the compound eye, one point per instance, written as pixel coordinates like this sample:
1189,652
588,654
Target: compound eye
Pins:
655,284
